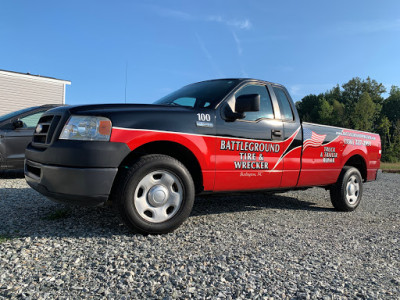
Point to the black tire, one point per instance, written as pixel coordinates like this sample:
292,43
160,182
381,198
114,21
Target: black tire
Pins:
347,192
155,195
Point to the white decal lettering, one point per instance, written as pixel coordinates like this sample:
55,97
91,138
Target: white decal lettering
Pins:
204,117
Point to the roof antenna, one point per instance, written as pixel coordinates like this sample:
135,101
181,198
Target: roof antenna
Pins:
126,78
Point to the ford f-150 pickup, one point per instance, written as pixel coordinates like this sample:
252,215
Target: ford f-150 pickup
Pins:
213,136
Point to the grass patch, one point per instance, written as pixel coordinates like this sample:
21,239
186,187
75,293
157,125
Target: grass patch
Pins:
57,215
390,166
4,238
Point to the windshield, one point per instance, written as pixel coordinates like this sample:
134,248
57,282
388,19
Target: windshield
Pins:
15,113
206,94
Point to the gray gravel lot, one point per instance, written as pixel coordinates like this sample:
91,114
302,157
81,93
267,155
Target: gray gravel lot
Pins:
291,245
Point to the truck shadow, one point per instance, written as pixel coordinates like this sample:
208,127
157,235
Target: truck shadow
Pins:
11,174
26,213
240,202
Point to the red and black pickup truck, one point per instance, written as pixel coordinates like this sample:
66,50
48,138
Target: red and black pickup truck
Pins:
212,136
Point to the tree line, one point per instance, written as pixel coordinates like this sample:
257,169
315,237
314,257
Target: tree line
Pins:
359,104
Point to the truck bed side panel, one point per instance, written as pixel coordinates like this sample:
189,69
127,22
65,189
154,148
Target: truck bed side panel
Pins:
326,150
321,155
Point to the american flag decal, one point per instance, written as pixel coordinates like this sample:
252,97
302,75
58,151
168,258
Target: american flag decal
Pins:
311,139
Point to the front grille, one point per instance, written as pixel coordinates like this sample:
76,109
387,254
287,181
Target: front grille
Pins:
48,124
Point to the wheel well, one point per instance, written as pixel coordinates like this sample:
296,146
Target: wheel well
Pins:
358,162
175,150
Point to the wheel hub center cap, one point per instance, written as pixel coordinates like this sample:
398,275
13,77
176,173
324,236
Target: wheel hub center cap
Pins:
158,195
352,189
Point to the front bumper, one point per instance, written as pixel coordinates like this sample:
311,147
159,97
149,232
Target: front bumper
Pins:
82,186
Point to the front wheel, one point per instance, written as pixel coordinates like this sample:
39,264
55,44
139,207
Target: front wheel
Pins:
346,193
155,195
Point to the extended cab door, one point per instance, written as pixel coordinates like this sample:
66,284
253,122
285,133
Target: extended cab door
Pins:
290,160
248,148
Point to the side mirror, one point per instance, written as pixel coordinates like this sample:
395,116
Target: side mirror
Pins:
250,102
18,124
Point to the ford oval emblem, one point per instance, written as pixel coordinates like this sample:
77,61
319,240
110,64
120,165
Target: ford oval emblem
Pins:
39,128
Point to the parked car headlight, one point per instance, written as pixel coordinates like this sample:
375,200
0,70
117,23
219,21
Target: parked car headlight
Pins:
87,128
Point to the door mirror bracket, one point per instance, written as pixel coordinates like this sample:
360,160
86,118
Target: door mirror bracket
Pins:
229,115
18,124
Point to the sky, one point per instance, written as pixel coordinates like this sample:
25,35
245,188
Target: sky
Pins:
139,51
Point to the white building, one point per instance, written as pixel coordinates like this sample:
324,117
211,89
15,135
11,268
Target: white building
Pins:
21,90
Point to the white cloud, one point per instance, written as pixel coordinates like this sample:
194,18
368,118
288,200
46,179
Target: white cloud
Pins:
244,24
238,43
243,72
172,13
181,15
203,47
240,24
208,55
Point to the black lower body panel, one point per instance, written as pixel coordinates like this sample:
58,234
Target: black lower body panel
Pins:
81,186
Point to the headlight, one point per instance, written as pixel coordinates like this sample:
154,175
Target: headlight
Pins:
87,128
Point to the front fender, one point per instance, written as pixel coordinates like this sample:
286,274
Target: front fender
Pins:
202,146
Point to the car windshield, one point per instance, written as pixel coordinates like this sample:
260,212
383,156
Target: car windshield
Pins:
206,94
15,113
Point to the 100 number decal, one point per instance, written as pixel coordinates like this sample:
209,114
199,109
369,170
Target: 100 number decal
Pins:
204,117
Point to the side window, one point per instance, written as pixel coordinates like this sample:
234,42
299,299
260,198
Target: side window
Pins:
265,102
32,120
284,105
185,101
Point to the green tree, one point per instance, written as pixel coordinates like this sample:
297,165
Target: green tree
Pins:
325,112
355,87
333,94
359,104
338,115
391,140
383,129
363,114
308,108
391,106
352,91
392,152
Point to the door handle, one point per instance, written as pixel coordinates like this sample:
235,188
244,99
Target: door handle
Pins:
276,132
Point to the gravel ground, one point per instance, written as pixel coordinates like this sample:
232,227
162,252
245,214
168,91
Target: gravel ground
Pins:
291,245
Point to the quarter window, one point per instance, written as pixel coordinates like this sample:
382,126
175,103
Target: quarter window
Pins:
284,105
184,101
32,120
266,110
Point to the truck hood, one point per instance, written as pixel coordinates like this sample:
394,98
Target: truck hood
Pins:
140,116
101,109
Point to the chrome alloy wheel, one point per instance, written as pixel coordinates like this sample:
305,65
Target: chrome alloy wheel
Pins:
352,190
158,196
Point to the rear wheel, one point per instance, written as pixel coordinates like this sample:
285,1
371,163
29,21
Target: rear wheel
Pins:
155,195
347,192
